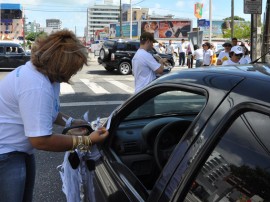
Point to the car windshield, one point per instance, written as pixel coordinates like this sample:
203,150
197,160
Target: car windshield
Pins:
168,103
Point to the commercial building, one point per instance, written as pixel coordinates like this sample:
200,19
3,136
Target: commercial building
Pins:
99,17
11,26
55,24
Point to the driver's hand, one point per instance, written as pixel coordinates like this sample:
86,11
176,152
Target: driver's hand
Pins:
163,61
99,135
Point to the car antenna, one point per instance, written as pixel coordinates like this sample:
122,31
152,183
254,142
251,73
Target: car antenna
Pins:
260,57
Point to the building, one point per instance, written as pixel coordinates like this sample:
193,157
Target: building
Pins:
11,26
100,17
32,27
55,24
137,13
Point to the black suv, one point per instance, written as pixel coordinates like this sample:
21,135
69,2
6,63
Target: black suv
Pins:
117,54
12,55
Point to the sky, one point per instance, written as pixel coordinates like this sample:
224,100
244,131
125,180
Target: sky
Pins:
73,14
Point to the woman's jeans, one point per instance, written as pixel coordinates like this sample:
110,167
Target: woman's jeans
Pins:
17,177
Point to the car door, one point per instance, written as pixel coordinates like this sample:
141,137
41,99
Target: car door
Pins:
229,160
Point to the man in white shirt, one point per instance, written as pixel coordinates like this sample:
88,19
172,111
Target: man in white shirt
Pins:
182,49
144,65
236,54
169,48
224,55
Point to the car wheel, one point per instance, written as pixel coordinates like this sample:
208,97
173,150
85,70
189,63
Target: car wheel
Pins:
109,69
124,68
103,54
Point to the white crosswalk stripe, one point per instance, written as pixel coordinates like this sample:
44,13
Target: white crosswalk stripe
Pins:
120,85
66,88
94,87
101,86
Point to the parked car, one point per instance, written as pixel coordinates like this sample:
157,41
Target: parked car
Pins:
193,135
117,55
12,55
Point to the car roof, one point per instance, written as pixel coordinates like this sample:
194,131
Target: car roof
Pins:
256,71
9,42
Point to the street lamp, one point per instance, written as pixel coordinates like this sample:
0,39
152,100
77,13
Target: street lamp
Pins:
130,20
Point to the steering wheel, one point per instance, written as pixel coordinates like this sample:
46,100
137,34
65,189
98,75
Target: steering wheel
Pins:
166,140
150,131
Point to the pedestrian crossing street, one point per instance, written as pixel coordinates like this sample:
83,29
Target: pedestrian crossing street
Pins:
98,86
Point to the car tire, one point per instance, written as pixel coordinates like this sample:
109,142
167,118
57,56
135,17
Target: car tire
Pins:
103,54
109,69
124,68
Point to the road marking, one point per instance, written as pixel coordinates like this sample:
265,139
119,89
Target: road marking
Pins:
94,87
78,104
120,85
66,88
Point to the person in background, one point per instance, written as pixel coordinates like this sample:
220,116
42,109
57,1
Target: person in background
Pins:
246,58
29,100
144,65
169,48
236,53
182,49
198,56
234,41
207,54
214,58
190,56
224,55
160,48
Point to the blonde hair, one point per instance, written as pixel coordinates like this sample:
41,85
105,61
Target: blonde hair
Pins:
59,55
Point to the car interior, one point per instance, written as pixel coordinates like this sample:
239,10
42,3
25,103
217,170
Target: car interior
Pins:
147,134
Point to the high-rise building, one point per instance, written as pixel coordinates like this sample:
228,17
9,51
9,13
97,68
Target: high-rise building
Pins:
55,24
99,17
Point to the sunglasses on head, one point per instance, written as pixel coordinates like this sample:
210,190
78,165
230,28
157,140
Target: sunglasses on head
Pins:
238,55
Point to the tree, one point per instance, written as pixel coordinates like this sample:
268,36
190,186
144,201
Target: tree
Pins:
33,35
241,28
241,31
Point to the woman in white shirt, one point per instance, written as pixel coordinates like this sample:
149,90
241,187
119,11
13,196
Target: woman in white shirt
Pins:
207,54
198,56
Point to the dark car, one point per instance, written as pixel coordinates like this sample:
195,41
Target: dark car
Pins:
193,135
117,55
12,55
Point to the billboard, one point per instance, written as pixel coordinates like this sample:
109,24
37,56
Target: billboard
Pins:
167,29
115,30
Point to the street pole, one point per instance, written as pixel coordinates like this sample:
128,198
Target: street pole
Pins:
232,19
266,35
210,19
130,20
120,19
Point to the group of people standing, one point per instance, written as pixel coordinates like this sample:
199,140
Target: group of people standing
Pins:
206,56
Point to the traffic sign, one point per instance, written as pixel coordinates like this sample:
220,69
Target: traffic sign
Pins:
253,6
203,23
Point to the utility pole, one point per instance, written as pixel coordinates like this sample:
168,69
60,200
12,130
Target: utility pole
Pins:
232,18
130,20
266,35
120,15
24,31
210,19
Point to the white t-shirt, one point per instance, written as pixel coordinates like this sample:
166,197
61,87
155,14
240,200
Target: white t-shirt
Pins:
223,56
206,56
169,49
143,67
230,62
183,47
29,106
198,54
245,60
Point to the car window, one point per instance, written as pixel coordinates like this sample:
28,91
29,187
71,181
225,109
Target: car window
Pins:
109,44
172,102
239,167
133,46
1,50
121,46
